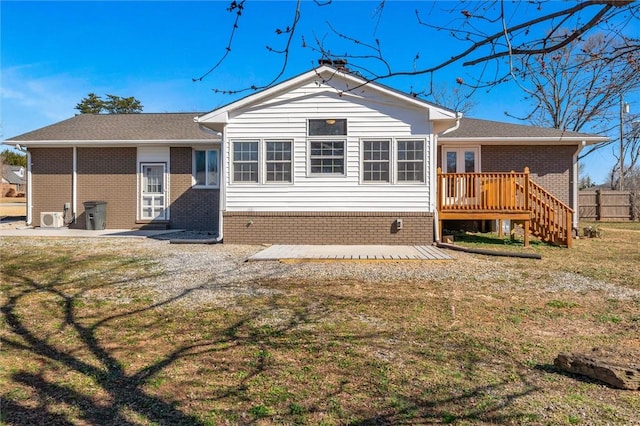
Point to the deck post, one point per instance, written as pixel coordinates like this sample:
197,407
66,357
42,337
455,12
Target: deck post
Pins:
526,232
526,189
569,229
439,195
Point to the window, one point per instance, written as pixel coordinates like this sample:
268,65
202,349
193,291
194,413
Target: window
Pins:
375,161
205,167
245,161
328,127
410,161
327,157
278,161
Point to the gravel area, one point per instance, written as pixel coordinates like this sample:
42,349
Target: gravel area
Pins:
196,274
220,273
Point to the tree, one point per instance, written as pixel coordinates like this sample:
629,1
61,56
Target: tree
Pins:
12,158
118,105
485,34
631,154
584,180
94,104
454,98
578,87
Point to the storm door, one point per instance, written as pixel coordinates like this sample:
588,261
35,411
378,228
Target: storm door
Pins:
153,197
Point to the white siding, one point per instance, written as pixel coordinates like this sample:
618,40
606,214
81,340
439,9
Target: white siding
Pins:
285,118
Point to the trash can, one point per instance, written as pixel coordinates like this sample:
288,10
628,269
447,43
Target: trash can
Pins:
95,214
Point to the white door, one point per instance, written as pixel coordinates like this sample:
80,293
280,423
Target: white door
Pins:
153,197
461,189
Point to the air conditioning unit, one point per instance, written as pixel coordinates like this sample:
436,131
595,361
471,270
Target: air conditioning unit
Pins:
51,219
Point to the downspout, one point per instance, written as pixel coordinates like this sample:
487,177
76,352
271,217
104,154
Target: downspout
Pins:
223,186
29,196
24,149
223,191
74,186
434,183
434,176
574,187
218,239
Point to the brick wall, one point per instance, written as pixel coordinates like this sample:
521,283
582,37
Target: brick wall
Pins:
327,228
50,180
108,174
193,209
550,166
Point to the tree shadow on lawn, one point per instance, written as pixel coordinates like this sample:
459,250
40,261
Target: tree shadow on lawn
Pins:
125,400
124,390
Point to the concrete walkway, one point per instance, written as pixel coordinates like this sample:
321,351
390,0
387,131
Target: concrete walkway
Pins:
350,252
80,233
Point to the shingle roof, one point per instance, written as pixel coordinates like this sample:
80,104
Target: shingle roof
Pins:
473,128
10,175
120,127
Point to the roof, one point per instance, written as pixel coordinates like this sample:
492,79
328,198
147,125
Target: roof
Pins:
473,129
9,174
121,127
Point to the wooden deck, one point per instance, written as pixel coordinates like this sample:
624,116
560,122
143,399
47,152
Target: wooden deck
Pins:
504,196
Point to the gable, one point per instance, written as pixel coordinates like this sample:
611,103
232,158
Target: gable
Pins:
331,84
287,114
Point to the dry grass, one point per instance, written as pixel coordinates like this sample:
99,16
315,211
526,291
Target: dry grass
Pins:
12,210
80,348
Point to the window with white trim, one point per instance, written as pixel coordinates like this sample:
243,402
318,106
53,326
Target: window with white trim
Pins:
206,168
245,161
327,127
326,157
410,160
278,161
376,160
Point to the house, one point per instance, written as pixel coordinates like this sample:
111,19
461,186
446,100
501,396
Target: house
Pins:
13,178
322,158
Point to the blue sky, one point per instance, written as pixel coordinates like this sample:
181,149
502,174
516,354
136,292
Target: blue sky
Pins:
54,53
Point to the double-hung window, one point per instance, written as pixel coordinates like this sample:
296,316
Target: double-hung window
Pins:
206,168
410,160
278,161
327,146
262,161
327,157
376,160
245,161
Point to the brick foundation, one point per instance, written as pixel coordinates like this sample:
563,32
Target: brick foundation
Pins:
328,228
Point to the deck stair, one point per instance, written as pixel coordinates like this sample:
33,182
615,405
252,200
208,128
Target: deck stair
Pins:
500,196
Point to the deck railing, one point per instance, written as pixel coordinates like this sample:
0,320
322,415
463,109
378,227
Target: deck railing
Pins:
499,195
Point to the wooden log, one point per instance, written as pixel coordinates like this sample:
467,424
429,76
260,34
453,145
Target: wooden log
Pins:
614,367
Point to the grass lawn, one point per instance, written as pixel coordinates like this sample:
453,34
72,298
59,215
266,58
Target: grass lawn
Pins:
78,347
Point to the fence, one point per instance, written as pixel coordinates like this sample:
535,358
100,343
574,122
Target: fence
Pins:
605,205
